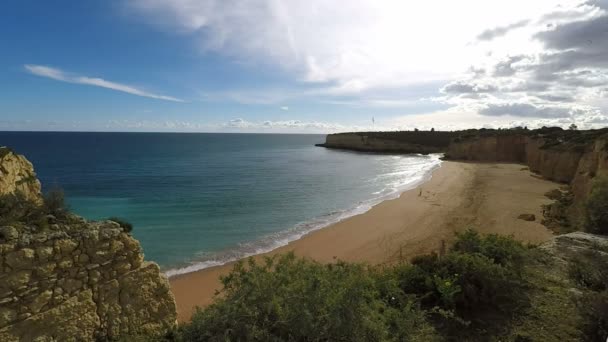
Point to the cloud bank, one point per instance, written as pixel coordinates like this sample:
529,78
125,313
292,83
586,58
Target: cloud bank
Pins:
60,75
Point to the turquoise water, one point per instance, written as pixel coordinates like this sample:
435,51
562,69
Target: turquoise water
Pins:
198,200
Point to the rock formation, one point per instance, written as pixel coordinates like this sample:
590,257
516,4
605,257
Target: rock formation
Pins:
569,157
17,175
573,158
72,280
423,142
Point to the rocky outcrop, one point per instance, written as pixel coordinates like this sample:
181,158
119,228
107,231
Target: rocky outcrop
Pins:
503,148
72,280
571,158
566,246
17,176
562,163
390,142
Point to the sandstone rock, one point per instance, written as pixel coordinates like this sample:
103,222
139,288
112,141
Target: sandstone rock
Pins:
41,300
78,281
83,259
527,217
7,316
65,246
44,253
73,320
45,270
18,279
8,233
20,259
17,176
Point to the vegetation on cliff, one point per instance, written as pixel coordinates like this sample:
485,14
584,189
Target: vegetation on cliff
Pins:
16,210
596,207
63,278
485,288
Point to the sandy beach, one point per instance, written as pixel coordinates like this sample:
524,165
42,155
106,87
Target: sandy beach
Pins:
486,197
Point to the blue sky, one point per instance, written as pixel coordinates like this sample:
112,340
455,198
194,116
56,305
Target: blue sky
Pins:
292,66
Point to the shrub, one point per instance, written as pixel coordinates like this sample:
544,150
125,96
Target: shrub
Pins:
590,270
15,208
290,299
470,293
54,201
594,308
503,250
478,280
596,207
125,225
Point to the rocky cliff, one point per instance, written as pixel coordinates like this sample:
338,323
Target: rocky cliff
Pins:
571,157
67,279
424,142
17,175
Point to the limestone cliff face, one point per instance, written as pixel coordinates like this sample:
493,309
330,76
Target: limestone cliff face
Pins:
510,148
73,280
593,162
575,165
17,175
390,142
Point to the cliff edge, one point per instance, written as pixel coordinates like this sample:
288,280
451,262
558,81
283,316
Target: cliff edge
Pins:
423,142
63,278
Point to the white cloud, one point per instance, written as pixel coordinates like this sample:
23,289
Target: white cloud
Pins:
501,63
285,108
60,75
352,45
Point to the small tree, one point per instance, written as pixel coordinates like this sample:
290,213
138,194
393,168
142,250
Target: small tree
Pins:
433,129
54,201
573,127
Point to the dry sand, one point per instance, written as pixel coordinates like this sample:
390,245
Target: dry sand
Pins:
487,197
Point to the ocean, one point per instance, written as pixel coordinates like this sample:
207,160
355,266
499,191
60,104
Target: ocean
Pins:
200,200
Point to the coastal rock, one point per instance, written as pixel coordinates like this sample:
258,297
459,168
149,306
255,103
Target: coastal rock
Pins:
423,142
17,176
75,280
527,217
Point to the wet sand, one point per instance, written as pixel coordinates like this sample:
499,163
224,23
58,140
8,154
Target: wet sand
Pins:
486,197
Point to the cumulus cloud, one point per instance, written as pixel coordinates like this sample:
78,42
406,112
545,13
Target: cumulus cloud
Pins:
524,110
352,46
501,30
60,75
561,81
549,65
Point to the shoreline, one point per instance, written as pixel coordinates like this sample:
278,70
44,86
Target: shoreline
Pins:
487,197
291,235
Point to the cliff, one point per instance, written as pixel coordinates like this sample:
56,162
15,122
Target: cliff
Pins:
570,157
566,156
63,278
424,142
17,175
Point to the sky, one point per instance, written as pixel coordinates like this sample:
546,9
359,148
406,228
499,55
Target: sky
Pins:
292,66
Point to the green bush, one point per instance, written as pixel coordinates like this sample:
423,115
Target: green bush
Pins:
596,207
594,308
125,225
469,293
290,299
503,250
54,201
590,270
16,209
